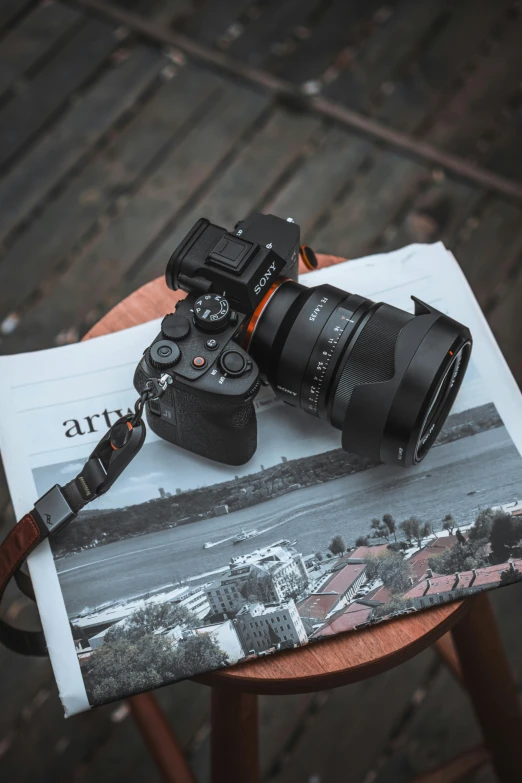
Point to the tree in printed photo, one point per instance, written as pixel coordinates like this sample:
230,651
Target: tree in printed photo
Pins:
481,528
392,569
505,536
393,607
258,587
337,545
449,524
510,576
136,656
415,530
150,619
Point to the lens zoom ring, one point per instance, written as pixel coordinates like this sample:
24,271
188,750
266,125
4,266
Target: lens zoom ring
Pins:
372,359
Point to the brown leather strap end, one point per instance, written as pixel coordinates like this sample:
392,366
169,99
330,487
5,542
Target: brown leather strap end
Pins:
20,542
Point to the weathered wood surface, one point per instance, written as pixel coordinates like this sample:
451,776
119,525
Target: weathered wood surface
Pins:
112,147
29,111
13,10
33,39
84,125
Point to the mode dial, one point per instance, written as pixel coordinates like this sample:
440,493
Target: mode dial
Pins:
212,312
164,354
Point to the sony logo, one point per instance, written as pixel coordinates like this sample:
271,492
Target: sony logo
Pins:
266,277
287,391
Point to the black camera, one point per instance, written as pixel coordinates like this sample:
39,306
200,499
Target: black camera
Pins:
385,377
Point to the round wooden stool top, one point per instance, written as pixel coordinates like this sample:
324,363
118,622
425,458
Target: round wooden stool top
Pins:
340,660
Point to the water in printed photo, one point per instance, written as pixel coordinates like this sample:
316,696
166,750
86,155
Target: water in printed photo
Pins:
185,568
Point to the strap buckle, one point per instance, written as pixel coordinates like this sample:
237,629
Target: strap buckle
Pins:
54,510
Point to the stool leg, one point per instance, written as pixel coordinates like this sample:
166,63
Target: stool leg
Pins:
160,739
234,724
487,676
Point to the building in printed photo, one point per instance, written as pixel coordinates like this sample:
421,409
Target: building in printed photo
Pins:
195,601
97,639
226,636
280,562
349,618
92,625
223,634
224,595
419,560
379,595
262,628
345,580
438,589
270,575
318,606
339,588
361,553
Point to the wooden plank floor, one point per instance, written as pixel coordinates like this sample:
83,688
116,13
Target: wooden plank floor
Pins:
112,146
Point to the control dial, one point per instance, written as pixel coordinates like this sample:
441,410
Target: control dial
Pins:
212,312
164,354
175,327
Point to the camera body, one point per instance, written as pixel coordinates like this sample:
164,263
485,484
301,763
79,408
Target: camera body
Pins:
385,377
208,408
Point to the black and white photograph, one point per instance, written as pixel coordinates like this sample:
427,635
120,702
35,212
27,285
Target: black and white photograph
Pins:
203,575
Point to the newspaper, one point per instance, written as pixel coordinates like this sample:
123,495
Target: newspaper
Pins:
186,565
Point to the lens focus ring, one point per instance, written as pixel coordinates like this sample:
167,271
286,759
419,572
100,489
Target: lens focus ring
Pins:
372,358
326,353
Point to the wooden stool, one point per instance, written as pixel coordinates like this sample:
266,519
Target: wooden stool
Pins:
464,633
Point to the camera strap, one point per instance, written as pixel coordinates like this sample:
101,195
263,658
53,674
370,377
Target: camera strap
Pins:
60,505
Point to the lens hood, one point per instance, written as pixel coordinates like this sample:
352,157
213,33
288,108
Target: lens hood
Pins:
396,420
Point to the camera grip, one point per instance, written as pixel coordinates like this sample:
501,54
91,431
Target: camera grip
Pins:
210,426
216,428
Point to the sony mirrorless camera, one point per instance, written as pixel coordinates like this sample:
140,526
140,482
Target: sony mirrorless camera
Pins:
385,377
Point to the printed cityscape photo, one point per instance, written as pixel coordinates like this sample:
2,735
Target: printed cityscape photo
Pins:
192,580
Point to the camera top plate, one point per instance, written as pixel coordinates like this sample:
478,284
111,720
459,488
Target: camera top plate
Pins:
203,359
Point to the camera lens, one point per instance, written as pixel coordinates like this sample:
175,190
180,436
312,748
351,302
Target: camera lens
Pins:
385,377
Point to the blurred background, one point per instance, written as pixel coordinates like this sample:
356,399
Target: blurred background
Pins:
116,135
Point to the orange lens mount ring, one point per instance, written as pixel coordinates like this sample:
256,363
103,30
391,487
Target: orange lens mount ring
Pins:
256,315
305,259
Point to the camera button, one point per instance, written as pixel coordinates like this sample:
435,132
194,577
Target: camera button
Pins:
212,344
164,354
198,362
233,363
